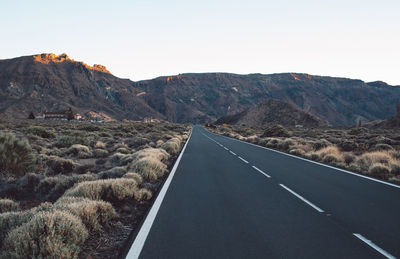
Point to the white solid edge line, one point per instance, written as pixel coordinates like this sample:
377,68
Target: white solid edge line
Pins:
259,170
314,162
243,160
140,239
233,153
301,198
371,244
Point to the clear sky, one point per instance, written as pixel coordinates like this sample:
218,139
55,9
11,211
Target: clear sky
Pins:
148,38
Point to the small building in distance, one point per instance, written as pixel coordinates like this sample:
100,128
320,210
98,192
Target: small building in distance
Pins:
63,115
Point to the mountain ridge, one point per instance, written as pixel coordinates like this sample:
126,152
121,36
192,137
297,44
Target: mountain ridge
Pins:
61,82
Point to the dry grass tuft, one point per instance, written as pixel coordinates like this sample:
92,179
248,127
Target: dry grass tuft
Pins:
79,150
56,234
58,165
109,190
7,205
172,146
135,176
93,213
379,170
330,154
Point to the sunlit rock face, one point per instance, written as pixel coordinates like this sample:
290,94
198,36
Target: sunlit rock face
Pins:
47,58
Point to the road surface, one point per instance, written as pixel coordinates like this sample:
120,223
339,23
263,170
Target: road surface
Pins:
230,199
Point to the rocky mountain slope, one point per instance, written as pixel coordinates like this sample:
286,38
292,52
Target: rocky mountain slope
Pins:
50,82
201,97
273,111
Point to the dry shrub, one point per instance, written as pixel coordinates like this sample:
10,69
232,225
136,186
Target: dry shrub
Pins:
379,170
253,139
41,132
149,167
98,152
108,190
137,177
16,156
285,144
366,160
143,195
123,150
93,213
273,142
159,142
157,153
47,184
119,159
100,145
297,152
172,146
12,220
7,205
276,131
56,234
116,172
67,141
66,182
349,158
379,147
330,154
58,165
79,150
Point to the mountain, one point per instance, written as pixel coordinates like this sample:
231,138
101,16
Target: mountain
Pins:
50,82
273,111
209,96
390,123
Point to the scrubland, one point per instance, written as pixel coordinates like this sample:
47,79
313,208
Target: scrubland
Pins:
78,190
372,152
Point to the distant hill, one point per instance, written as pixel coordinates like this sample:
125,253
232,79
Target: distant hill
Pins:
390,123
273,111
51,82
209,96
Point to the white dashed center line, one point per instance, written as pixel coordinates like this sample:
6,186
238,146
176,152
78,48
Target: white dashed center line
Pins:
243,160
377,248
233,153
259,170
301,198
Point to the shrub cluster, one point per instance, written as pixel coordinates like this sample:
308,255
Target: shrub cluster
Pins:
112,190
173,145
41,132
48,234
16,156
7,205
149,163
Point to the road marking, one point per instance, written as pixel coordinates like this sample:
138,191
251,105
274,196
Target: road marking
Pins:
259,170
301,198
243,160
144,231
314,162
377,248
226,148
233,153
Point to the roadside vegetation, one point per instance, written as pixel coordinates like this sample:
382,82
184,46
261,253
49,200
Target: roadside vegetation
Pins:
86,186
372,152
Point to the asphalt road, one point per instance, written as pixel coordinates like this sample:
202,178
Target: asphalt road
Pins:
229,199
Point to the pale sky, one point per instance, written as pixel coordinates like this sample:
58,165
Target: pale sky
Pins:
144,39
